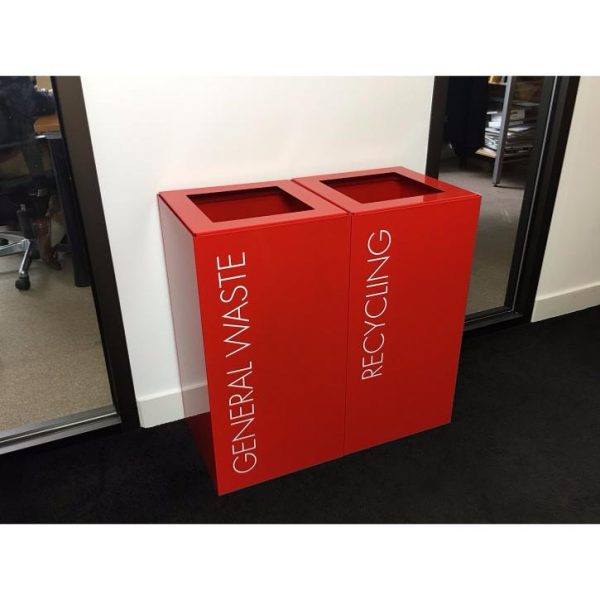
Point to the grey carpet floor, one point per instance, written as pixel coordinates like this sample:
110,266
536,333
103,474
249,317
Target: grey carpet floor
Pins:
497,229
51,359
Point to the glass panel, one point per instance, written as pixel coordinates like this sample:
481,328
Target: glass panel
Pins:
52,363
483,155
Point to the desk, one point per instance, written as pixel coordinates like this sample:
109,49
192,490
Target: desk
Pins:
48,128
47,124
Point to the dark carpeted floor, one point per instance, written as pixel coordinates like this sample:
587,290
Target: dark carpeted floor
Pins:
524,447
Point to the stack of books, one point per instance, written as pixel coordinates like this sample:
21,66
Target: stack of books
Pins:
521,129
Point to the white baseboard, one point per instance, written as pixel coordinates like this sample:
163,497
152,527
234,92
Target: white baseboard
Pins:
160,408
565,302
168,406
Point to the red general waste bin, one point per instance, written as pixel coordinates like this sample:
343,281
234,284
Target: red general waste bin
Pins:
412,247
258,281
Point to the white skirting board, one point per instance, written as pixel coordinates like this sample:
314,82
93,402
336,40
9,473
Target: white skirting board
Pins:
168,406
160,408
565,302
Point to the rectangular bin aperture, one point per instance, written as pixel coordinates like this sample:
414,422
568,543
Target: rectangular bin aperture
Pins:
258,280
412,247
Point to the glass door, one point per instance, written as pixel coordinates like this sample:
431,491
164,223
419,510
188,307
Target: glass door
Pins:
53,371
503,137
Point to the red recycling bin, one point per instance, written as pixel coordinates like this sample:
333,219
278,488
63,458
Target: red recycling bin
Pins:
412,247
258,282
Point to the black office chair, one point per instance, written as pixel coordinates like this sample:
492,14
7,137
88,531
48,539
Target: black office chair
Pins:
24,198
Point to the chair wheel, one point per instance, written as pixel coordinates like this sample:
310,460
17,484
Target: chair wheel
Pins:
23,283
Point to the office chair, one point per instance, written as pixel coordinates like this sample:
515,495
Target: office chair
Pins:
23,197
26,198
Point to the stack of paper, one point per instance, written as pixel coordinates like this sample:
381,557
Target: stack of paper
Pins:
521,129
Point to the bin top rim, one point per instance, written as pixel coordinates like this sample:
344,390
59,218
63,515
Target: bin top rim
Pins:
180,202
446,191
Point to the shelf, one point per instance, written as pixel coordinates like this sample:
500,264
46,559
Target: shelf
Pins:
489,153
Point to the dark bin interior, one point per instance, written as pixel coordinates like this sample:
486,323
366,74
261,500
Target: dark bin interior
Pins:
376,188
246,204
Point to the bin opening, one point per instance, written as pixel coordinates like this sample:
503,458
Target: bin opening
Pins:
246,204
376,188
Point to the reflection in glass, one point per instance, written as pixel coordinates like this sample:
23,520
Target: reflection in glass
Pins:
51,360
491,124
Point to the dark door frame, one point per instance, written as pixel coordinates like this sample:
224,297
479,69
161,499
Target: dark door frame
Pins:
76,134
556,108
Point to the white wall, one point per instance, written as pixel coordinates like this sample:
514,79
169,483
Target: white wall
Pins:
158,133
570,277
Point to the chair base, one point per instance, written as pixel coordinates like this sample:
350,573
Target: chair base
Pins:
18,244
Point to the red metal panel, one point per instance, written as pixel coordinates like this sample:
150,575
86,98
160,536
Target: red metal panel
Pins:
273,291
410,266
